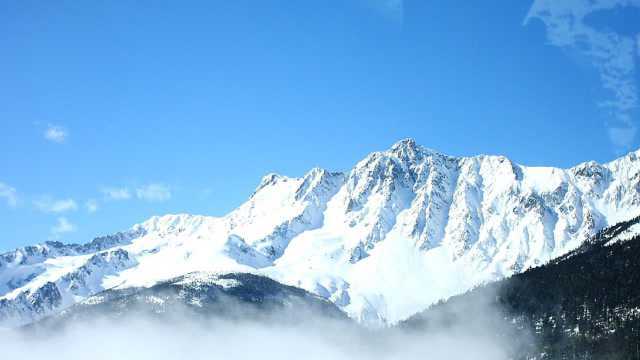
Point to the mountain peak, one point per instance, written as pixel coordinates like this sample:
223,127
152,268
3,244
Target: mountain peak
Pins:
270,179
405,145
408,150
315,172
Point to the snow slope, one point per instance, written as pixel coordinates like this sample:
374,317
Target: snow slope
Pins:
403,229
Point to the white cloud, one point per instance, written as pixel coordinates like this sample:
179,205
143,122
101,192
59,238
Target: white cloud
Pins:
116,193
612,54
154,192
49,205
9,194
63,226
91,205
56,134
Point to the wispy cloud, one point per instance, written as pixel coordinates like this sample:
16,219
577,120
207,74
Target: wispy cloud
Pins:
116,193
49,205
612,54
154,192
62,226
9,194
56,134
91,205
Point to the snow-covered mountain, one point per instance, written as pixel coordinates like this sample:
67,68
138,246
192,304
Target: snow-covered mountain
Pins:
403,229
200,296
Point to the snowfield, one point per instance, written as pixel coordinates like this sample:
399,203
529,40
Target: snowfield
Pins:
403,229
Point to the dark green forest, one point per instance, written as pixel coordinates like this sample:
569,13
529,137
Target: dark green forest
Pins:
584,305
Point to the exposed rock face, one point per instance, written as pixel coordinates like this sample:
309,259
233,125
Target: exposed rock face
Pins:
403,229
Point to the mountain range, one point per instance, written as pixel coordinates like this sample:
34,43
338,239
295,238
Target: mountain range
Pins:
401,231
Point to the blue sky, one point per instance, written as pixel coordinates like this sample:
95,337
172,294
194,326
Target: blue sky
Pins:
111,112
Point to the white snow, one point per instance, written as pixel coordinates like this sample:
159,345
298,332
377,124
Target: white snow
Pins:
403,229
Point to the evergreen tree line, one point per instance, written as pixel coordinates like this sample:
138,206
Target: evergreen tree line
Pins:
584,305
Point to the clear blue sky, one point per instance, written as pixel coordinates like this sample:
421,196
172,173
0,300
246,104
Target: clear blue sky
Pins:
154,107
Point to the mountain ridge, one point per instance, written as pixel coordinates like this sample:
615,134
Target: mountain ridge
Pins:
403,229
198,296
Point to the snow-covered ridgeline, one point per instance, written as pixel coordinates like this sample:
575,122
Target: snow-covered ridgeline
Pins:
404,228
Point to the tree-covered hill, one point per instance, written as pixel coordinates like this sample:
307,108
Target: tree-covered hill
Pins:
584,305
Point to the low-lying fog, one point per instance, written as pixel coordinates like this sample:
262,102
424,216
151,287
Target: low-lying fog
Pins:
315,339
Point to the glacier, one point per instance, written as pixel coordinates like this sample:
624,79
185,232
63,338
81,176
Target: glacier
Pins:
404,229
